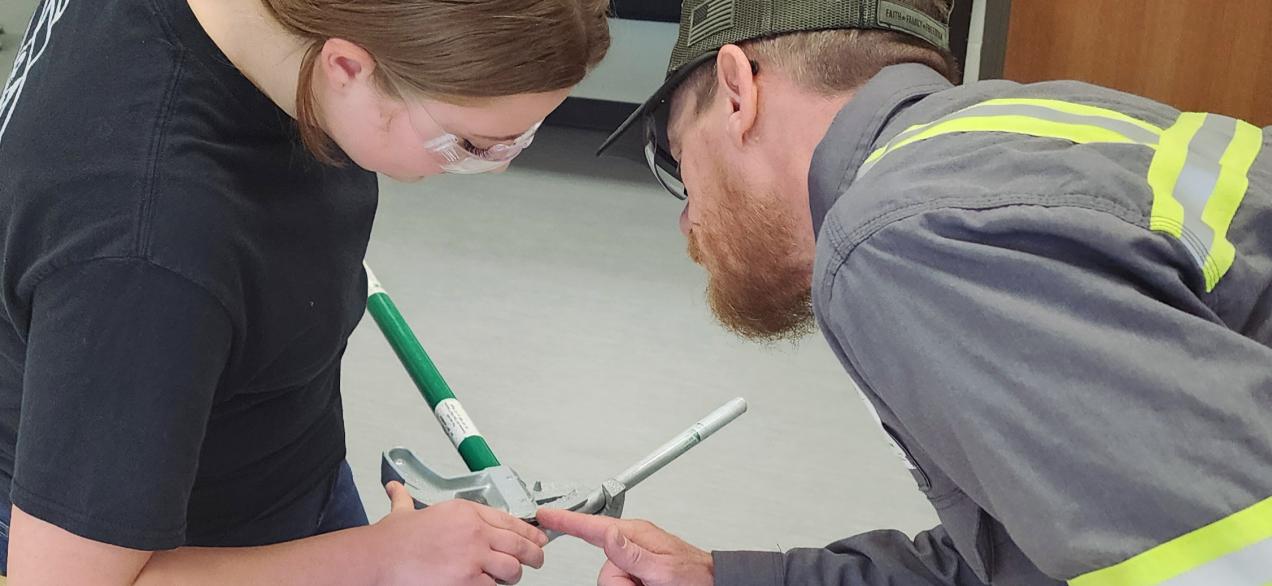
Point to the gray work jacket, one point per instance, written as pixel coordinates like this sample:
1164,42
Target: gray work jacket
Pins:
1078,374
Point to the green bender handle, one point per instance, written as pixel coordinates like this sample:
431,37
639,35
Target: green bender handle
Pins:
450,413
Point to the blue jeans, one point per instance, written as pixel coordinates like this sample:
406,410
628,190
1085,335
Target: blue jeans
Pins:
337,502
344,508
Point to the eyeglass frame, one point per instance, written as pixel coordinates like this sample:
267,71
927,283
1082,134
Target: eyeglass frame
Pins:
662,164
454,151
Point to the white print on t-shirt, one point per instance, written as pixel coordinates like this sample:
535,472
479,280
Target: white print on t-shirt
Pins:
37,38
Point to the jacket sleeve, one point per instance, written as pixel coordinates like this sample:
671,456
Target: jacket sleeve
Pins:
874,558
1059,364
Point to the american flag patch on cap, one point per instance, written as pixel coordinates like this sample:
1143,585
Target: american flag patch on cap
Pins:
709,18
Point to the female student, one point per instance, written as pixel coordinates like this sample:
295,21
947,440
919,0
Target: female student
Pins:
187,189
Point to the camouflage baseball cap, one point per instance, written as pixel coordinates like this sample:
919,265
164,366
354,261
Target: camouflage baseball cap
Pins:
708,25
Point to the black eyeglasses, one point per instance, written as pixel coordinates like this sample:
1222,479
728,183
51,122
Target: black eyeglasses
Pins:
658,154
658,148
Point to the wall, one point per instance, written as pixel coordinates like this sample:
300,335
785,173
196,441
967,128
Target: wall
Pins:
14,15
1197,55
636,64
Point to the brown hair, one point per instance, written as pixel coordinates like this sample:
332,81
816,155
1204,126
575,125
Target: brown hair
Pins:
453,50
832,62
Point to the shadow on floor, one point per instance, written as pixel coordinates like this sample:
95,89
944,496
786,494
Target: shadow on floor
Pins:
572,151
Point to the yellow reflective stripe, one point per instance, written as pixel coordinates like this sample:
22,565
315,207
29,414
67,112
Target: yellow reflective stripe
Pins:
1229,192
1054,105
1163,174
878,154
1187,552
887,148
1078,133
875,156
1074,108
1198,174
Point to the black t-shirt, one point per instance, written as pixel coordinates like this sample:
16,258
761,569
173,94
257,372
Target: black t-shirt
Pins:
179,283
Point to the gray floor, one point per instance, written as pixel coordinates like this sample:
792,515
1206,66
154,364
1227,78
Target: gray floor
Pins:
558,300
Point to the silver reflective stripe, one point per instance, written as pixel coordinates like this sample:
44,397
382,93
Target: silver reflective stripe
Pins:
1233,551
1197,182
1198,175
1251,566
1130,131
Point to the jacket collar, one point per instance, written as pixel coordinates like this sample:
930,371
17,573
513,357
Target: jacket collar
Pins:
858,128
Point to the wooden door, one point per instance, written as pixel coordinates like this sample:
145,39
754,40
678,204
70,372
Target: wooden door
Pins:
1196,55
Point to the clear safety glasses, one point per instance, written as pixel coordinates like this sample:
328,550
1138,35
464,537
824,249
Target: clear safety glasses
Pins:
460,156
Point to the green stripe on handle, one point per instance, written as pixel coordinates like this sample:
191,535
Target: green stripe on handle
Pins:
476,453
473,448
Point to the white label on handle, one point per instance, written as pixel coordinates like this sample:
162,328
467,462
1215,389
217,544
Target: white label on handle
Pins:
373,284
455,421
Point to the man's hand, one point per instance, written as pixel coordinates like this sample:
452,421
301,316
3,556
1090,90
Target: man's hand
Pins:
640,554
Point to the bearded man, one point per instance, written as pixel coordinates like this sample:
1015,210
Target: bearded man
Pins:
1056,297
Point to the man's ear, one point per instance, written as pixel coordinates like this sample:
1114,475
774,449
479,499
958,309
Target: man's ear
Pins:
344,63
736,83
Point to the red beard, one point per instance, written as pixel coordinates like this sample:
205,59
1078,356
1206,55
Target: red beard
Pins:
758,285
